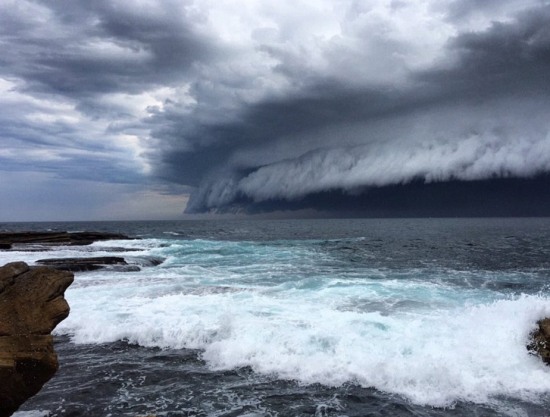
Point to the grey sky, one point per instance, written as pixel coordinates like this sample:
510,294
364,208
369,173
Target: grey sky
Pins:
240,105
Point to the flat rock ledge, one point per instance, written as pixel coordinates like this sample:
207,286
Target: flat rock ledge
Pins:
8,239
89,264
540,343
32,303
110,263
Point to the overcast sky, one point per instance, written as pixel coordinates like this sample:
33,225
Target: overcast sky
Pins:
141,109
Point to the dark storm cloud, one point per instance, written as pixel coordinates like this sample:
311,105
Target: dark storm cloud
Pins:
481,112
257,109
64,60
505,197
508,58
212,145
80,48
460,10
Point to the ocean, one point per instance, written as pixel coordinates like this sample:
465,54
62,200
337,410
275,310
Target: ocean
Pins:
346,317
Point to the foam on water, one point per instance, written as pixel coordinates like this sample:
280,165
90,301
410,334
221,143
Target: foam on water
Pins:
430,342
472,353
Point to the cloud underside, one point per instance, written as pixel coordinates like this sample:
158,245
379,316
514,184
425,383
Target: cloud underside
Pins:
503,197
464,142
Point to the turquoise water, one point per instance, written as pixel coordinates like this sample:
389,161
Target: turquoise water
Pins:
341,317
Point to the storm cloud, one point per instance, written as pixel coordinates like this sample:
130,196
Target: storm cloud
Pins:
479,112
284,105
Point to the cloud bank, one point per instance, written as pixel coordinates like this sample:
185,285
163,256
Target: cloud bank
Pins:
259,106
477,111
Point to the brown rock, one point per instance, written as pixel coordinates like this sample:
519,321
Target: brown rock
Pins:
540,343
31,305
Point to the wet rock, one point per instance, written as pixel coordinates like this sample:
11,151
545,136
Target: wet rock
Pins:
31,305
154,261
89,264
8,239
147,261
540,343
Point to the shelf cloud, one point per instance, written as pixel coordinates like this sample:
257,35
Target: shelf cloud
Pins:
262,106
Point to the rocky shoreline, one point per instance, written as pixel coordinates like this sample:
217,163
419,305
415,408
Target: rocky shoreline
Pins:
32,303
43,241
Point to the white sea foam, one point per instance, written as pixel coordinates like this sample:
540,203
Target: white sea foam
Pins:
435,357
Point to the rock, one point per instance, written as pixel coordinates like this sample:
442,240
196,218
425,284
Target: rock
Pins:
153,261
147,261
87,264
31,305
8,239
540,343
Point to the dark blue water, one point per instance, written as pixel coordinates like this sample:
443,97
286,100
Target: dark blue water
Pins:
415,317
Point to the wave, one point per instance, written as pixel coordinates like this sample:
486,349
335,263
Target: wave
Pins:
474,353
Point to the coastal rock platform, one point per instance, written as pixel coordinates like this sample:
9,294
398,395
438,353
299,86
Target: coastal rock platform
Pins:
32,303
88,264
9,239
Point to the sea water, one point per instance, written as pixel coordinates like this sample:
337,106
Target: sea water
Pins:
397,317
